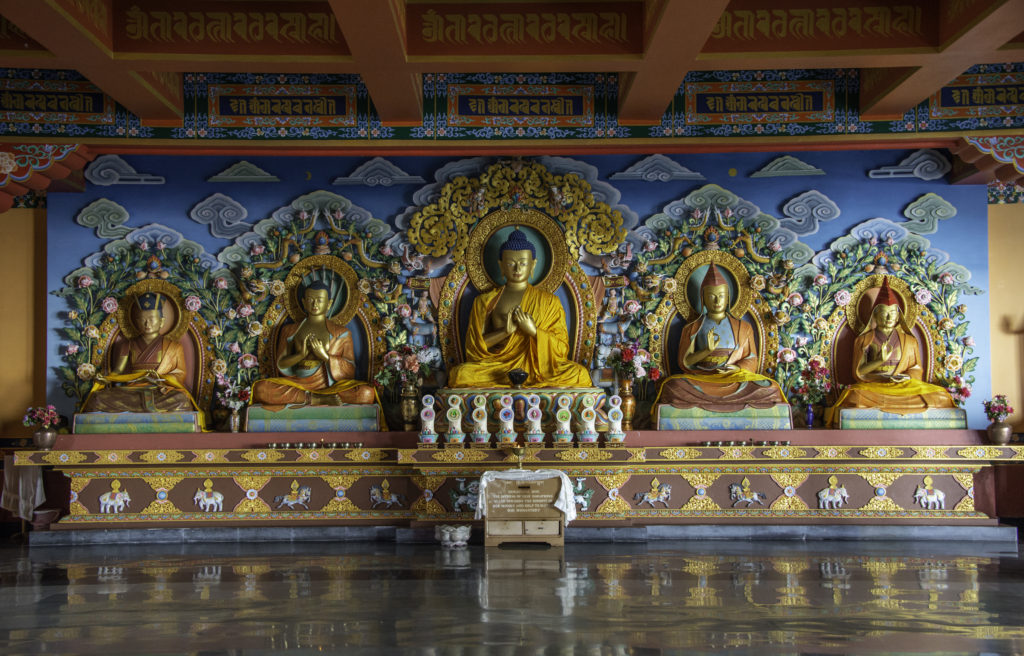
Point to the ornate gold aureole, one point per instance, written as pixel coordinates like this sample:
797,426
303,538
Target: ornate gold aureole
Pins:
857,317
294,287
743,293
583,455
290,304
543,224
443,226
129,301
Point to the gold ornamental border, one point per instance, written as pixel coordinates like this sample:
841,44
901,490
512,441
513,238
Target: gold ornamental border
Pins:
545,225
304,267
744,296
166,289
902,289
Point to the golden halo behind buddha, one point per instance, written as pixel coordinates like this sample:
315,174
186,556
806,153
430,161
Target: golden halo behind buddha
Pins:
741,293
337,271
862,297
172,303
547,228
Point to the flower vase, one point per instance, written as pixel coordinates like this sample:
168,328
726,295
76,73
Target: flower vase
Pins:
409,401
809,416
999,432
235,420
44,438
628,403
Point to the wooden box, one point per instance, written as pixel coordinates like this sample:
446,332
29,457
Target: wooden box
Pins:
523,511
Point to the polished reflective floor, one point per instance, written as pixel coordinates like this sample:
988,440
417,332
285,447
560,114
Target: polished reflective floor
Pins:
825,597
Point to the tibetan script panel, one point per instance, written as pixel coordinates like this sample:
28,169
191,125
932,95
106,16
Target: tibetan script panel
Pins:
548,105
985,94
791,101
54,102
288,105
510,28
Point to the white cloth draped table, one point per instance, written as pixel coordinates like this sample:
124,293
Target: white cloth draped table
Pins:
564,500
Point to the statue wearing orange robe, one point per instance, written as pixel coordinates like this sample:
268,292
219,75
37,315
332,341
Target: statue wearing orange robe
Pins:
518,327
719,361
316,359
887,367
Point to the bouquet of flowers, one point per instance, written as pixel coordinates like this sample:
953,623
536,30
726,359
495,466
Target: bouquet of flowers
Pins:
629,361
406,364
232,393
959,389
44,418
998,408
815,382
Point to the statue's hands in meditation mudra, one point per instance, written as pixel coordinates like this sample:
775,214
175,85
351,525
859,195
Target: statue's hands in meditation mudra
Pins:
147,370
316,359
887,366
518,326
718,357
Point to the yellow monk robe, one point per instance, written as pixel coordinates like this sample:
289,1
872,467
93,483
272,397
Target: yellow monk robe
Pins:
907,397
725,391
305,379
545,358
163,357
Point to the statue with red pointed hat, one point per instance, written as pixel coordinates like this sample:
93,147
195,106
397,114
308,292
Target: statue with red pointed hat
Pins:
887,366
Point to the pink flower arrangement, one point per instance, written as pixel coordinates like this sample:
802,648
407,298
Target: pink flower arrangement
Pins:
231,394
109,305
628,361
406,364
998,408
959,390
43,417
815,383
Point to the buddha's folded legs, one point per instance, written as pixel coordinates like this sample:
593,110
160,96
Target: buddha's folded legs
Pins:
720,397
138,399
270,394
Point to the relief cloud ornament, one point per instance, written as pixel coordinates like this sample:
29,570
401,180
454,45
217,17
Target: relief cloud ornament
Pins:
787,165
106,216
377,171
925,164
108,170
243,171
803,213
224,215
656,168
924,214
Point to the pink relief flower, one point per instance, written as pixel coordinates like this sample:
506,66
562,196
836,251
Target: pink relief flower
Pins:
257,249
946,278
775,246
787,355
632,306
796,299
802,341
109,304
842,298
84,282
968,341
193,303
245,310
220,283
160,246
234,347
820,280
923,296
404,310
71,349
247,361
143,245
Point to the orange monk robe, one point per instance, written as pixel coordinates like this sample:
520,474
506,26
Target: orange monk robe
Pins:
727,391
335,379
163,356
545,358
907,397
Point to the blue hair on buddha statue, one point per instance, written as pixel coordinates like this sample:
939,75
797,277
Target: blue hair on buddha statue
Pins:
518,241
151,301
318,286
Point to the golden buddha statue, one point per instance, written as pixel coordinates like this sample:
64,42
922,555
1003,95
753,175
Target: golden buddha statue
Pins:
718,356
518,326
316,358
147,370
887,366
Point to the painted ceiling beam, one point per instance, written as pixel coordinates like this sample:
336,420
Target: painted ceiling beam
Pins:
675,33
85,40
887,95
375,34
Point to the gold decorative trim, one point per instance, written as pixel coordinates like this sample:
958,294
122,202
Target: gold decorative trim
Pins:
262,455
210,456
701,502
545,225
115,457
161,457
965,479
681,453
77,486
162,484
583,455
882,452
882,504
406,455
737,452
981,452
458,455
880,479
613,481
784,452
699,480
637,455
744,294
250,504
832,452
784,502
314,455
64,457
366,455
902,289
929,452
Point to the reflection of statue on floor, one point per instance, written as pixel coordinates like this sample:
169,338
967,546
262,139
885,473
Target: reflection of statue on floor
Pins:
316,358
887,366
146,371
518,326
718,356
